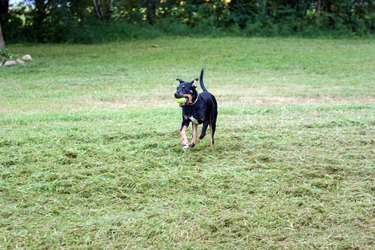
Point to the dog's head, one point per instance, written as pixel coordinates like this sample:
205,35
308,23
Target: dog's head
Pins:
187,90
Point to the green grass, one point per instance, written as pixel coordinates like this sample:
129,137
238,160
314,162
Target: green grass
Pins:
90,154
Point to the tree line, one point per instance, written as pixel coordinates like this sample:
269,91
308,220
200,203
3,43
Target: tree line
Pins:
95,20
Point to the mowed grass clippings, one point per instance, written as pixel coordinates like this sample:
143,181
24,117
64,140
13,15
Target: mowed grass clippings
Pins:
90,154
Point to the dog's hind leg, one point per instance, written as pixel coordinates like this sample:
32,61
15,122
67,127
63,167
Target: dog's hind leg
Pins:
213,128
212,132
204,129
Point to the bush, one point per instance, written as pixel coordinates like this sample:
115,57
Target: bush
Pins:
213,18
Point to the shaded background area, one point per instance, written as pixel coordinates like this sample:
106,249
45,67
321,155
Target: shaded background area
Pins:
87,21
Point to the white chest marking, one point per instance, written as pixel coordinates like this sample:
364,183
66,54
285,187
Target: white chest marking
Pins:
193,120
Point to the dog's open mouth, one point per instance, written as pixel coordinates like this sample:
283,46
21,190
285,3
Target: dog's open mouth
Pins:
185,99
188,98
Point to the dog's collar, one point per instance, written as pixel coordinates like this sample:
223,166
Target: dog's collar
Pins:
194,101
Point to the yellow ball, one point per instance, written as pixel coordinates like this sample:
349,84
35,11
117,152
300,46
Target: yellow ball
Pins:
180,100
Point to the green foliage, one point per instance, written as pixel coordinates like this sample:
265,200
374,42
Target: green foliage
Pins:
90,154
5,54
76,21
110,31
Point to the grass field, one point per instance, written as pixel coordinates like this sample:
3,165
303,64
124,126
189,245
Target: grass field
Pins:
90,154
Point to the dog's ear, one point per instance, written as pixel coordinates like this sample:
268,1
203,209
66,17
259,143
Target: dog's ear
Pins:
179,80
194,82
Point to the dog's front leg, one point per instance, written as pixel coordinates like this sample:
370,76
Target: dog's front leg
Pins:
185,142
195,135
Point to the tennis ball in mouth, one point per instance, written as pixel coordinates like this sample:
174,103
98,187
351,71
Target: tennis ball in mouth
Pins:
180,100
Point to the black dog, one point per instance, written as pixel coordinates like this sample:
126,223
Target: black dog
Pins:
198,109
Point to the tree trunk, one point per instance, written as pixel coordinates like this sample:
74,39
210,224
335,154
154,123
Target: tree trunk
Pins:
318,5
262,8
110,8
2,43
39,17
103,13
151,12
97,7
4,8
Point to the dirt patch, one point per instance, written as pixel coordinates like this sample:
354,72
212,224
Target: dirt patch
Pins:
279,100
131,102
166,101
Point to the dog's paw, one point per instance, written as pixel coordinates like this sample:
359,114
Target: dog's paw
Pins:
191,145
185,145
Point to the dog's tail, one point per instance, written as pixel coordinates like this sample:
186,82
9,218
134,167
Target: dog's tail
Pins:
201,81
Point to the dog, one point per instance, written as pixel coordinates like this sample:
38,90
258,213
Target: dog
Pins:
197,108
